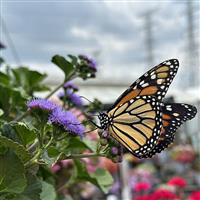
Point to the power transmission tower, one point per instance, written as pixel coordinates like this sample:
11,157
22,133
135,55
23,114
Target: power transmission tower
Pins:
149,38
192,50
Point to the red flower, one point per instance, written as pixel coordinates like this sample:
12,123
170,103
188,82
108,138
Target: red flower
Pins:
178,182
163,194
142,186
142,198
195,195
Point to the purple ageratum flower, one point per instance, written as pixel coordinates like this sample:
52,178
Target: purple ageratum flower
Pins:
71,85
42,104
73,97
67,121
90,62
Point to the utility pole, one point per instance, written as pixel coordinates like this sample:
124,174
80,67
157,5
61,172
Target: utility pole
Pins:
149,38
192,50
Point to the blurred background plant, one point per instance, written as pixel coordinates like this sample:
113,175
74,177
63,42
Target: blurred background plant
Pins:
47,150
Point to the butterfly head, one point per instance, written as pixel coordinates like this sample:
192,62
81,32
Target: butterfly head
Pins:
104,120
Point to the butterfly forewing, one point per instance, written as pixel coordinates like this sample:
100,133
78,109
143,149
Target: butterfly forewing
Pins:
136,124
173,115
155,82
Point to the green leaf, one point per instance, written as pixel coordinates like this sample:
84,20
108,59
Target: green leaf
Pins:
32,191
25,134
48,191
12,98
53,151
12,177
63,64
101,178
20,151
29,80
92,145
50,160
104,179
76,145
4,79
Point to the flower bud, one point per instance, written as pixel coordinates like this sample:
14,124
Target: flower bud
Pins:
103,141
114,150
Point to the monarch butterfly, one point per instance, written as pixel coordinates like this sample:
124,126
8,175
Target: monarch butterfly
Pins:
139,120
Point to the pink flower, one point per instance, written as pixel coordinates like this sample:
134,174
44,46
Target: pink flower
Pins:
195,195
163,194
178,182
55,168
142,186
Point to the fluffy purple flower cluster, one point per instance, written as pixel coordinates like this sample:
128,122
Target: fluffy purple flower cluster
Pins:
73,97
41,104
65,119
89,61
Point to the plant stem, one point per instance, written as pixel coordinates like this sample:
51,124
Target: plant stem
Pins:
49,143
75,156
35,157
54,90
61,85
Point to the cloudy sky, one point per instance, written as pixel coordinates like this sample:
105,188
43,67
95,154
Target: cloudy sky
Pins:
113,31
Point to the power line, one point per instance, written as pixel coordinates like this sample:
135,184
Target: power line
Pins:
10,41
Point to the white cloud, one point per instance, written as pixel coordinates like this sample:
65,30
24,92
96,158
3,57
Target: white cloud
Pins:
115,29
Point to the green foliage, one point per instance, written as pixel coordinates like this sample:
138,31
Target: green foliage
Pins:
48,191
31,147
100,177
12,173
64,65
19,150
25,134
32,190
29,80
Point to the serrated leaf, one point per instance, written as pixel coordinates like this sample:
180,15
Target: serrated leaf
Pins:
25,134
63,64
32,191
12,173
19,149
48,191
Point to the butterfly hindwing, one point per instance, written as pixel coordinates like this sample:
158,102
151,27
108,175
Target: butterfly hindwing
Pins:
173,115
136,124
155,82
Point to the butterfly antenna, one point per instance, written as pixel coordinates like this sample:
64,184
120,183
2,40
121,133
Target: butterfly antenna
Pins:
86,99
90,130
95,124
